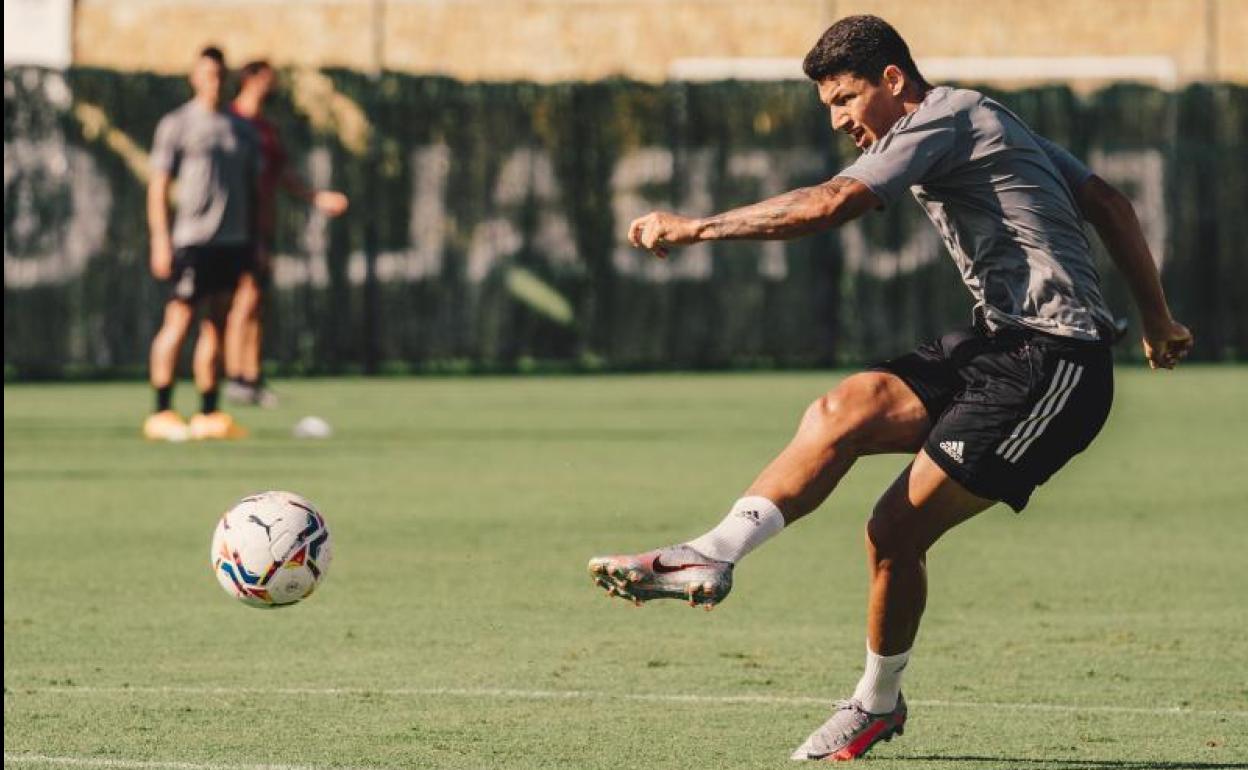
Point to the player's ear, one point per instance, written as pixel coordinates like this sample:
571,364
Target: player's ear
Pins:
894,79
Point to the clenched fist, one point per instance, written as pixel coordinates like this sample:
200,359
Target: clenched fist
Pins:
1166,344
659,229
330,203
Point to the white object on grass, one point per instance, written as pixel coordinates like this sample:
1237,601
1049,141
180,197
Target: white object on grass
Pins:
312,427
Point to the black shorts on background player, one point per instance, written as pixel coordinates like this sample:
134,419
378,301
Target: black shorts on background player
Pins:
1008,409
201,271
261,269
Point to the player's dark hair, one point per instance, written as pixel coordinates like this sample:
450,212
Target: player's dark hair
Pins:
253,68
214,53
861,46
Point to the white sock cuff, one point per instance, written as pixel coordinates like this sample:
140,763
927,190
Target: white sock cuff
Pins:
752,521
760,511
881,681
887,662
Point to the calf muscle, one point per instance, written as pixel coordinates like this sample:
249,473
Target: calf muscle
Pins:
920,506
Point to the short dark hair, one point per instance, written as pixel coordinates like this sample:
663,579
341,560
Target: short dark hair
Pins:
253,68
861,46
214,53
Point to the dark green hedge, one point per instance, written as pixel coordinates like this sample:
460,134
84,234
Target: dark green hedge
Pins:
535,178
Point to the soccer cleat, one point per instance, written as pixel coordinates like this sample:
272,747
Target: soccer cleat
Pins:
238,392
217,425
851,732
165,426
264,397
674,572
250,394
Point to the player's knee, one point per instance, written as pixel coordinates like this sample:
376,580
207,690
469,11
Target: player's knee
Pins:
245,303
204,356
847,413
891,536
170,335
178,318
239,312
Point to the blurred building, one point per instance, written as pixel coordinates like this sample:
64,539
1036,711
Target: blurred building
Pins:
1164,42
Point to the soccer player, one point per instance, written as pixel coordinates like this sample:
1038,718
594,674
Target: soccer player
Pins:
989,412
215,158
243,328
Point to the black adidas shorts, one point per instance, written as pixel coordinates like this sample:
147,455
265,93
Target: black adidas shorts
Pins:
1008,409
202,271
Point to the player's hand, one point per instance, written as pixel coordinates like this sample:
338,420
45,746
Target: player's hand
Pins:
330,202
1166,343
659,229
161,258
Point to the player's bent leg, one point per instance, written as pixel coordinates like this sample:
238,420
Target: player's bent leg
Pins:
868,413
918,508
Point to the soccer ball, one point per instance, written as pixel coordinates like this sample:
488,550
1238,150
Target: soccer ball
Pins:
271,549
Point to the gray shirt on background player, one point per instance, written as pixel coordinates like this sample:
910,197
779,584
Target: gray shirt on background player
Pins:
1001,197
215,156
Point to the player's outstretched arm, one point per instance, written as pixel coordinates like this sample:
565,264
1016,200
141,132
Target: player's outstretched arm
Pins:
792,214
1166,340
330,202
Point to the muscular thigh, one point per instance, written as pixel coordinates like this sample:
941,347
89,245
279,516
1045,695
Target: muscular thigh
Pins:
881,413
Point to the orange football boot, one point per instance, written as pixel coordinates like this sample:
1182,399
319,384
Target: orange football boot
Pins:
215,426
165,426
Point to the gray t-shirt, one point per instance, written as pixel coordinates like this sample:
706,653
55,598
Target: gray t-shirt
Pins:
1001,197
215,156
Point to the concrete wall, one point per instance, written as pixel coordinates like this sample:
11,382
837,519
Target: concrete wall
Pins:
550,40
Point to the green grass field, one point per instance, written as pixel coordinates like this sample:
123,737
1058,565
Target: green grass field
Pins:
1106,627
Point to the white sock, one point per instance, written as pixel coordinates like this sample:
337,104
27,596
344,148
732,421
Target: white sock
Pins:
751,522
881,682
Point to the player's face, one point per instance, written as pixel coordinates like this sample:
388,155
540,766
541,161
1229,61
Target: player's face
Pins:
207,77
263,82
862,109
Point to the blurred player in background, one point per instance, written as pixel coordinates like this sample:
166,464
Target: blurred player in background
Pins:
215,158
244,329
989,413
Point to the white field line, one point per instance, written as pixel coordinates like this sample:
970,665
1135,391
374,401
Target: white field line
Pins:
517,694
137,764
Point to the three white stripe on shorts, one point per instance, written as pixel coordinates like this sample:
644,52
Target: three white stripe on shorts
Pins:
1060,387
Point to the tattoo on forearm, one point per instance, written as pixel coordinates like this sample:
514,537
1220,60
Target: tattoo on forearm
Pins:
790,214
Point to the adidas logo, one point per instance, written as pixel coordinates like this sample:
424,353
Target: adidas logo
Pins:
754,516
953,449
